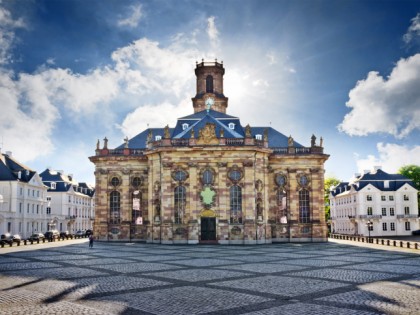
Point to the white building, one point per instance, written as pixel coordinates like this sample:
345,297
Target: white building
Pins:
22,199
70,204
388,201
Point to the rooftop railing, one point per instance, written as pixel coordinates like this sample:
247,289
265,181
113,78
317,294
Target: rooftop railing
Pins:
221,141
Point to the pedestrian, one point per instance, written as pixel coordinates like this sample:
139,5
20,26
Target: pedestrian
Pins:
91,241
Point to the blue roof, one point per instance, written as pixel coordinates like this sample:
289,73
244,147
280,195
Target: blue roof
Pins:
10,168
64,182
376,179
198,120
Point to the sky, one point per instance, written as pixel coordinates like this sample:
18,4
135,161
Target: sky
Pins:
75,71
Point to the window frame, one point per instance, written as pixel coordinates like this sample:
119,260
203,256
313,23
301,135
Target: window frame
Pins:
235,204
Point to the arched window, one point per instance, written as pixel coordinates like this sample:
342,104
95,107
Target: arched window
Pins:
114,207
209,84
235,204
180,199
282,206
304,210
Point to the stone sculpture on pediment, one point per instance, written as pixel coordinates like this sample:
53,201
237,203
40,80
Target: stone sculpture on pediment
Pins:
248,131
207,135
166,134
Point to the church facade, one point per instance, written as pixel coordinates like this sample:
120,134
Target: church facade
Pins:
209,179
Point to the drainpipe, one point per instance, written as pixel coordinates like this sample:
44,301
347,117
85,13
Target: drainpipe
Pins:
255,195
160,197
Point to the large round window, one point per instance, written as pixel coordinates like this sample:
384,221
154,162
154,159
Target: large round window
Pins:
136,181
303,180
180,175
115,181
281,180
207,177
235,175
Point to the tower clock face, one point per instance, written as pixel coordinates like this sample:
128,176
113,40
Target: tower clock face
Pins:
210,102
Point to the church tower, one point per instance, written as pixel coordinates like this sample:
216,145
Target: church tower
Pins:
210,87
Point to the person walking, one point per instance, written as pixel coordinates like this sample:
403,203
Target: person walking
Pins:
91,241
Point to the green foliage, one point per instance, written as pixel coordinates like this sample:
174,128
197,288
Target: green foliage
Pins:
412,172
328,183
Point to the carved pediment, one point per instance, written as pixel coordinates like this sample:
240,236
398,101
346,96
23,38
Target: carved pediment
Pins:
207,135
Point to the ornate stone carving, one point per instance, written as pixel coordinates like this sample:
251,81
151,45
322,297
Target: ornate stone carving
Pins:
207,135
166,134
207,196
236,230
290,142
248,131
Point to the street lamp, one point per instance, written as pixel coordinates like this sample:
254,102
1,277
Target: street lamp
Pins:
369,225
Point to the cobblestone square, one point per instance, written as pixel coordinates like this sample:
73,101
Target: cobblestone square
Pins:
126,278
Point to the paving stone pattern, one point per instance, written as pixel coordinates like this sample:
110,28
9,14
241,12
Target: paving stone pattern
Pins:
128,279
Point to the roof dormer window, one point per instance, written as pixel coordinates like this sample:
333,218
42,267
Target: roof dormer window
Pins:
53,185
231,126
258,137
386,184
158,138
184,126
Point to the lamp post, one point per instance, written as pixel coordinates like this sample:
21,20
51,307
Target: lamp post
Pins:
369,225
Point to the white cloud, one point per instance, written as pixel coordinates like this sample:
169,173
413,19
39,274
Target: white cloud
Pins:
386,105
166,69
391,157
212,32
28,117
7,35
135,17
154,116
413,31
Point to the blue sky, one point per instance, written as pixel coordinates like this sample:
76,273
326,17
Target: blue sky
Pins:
72,72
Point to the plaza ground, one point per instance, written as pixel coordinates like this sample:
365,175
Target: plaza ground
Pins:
126,278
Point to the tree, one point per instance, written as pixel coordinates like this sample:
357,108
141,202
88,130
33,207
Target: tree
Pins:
412,172
328,183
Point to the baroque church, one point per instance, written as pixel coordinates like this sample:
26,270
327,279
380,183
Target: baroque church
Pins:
209,179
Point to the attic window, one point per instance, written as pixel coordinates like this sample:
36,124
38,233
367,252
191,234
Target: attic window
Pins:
184,126
53,185
231,126
386,184
258,137
158,138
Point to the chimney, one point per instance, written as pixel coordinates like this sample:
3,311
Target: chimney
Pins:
9,153
366,171
377,167
357,175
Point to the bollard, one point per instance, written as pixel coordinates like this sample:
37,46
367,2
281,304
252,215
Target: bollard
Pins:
408,244
401,244
416,246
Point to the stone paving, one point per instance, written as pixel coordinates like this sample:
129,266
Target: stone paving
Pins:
126,278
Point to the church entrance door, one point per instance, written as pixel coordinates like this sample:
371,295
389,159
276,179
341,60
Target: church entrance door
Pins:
208,229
